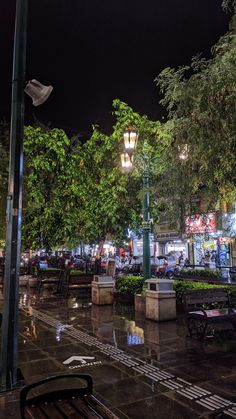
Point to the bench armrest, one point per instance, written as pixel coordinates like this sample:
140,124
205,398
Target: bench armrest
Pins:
197,309
56,394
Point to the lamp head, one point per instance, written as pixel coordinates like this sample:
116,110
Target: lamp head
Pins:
38,92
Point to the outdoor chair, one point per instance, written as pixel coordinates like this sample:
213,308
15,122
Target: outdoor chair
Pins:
57,397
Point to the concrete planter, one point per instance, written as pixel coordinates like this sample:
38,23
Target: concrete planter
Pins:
140,303
33,282
23,280
102,293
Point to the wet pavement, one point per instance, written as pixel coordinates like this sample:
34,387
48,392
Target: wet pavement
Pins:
140,368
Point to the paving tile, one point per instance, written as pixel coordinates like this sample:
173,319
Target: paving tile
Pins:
131,393
159,407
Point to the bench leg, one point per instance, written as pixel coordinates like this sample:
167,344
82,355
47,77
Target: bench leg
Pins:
234,324
197,327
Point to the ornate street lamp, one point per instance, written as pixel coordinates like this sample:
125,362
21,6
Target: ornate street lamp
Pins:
127,160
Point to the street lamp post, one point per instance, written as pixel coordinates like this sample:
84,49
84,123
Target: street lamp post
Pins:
127,159
9,375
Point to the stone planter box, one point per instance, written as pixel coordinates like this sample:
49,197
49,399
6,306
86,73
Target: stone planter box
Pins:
23,280
33,282
140,303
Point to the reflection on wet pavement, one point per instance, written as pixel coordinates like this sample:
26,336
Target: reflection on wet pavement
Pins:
140,368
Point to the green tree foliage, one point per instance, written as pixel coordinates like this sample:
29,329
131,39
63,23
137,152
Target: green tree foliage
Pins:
77,192
200,100
50,187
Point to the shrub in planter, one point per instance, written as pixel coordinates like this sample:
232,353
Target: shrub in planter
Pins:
129,284
181,286
206,273
75,272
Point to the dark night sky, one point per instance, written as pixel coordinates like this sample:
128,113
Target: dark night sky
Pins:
93,51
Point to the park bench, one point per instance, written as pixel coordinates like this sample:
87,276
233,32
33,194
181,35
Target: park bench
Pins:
207,306
75,281
60,397
49,276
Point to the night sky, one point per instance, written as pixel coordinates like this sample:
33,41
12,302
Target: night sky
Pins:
93,51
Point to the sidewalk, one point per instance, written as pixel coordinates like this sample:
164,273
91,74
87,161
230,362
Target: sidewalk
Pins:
140,368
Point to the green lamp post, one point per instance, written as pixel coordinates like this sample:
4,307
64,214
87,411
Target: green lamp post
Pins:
127,160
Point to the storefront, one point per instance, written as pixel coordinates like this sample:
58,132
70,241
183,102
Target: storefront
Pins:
169,243
137,246
207,245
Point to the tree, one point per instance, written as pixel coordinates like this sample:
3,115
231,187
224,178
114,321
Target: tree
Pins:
50,188
200,100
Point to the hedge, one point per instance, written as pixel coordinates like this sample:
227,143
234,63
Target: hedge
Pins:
181,286
135,285
75,272
129,284
206,273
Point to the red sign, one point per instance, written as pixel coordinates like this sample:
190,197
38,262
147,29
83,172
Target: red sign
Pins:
200,223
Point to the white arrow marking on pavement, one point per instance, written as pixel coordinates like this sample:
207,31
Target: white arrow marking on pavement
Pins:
78,358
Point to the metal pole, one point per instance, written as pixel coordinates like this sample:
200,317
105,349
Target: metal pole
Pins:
146,220
9,376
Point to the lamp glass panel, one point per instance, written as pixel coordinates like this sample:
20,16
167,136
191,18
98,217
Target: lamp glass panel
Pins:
126,161
183,151
130,140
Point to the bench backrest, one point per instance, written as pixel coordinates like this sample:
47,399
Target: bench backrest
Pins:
80,279
197,298
50,273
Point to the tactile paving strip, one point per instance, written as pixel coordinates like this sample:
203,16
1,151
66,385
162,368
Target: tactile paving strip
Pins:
203,397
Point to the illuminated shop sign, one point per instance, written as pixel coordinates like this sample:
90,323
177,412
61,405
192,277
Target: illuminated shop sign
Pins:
200,223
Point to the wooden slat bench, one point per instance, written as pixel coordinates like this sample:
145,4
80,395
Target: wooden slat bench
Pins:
62,402
75,282
52,276
199,317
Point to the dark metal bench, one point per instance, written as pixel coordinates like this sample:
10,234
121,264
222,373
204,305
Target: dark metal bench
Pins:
52,276
64,401
198,316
